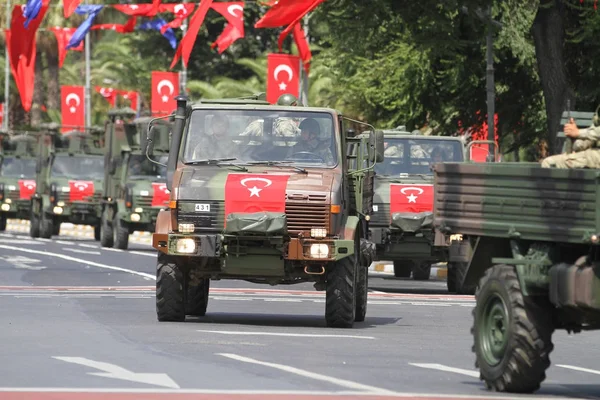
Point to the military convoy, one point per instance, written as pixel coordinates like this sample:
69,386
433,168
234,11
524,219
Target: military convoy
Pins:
69,174
17,175
402,222
266,213
134,187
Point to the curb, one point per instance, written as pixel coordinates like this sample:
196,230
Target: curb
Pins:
384,268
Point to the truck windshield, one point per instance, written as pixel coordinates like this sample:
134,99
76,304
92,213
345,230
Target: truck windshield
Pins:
416,156
13,167
140,167
84,167
254,136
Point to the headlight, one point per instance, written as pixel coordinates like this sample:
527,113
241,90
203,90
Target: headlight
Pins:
457,237
139,209
318,232
57,210
8,201
186,246
5,207
319,250
60,204
186,228
135,217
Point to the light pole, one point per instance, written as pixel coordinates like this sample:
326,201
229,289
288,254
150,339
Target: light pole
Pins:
489,71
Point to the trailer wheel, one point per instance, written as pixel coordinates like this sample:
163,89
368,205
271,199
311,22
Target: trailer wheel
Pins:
512,334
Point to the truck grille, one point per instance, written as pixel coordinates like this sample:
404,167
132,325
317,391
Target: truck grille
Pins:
142,201
301,215
381,217
64,196
14,195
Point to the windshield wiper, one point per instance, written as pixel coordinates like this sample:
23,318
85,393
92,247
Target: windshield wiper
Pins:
278,163
209,161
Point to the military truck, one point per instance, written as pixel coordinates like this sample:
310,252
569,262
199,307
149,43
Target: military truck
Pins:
401,224
530,238
263,211
134,187
17,175
69,174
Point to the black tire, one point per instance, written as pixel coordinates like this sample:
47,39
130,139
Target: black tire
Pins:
169,290
97,232
197,298
519,365
461,273
422,271
56,230
340,295
362,293
46,226
403,268
106,232
34,224
2,223
451,279
120,234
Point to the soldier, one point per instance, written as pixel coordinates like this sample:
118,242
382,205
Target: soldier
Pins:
586,149
285,127
216,145
438,155
309,141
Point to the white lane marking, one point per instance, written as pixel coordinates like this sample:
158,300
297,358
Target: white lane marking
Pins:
308,374
141,253
116,372
376,291
43,239
287,334
440,367
23,262
7,235
80,261
581,369
21,241
109,249
65,242
82,251
89,246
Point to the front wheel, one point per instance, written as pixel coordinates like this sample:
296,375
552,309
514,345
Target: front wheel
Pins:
403,268
362,292
512,334
34,224
197,298
340,295
422,271
121,233
2,223
170,304
106,232
46,226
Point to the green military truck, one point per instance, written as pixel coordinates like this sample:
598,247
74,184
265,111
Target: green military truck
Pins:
69,174
401,224
260,210
134,187
529,236
17,175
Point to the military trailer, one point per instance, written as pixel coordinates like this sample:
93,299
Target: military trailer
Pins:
262,211
69,174
401,225
17,175
529,237
134,187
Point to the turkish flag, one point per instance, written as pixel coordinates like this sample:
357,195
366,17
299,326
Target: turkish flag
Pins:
161,195
132,96
1,116
286,12
109,94
302,45
136,10
181,11
479,153
21,45
283,76
69,7
128,27
72,107
80,190
411,198
187,42
26,189
234,30
63,37
165,86
250,193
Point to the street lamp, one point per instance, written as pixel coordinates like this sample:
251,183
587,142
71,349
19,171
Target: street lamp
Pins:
489,72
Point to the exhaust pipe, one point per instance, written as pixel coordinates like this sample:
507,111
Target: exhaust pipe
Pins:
176,139
310,270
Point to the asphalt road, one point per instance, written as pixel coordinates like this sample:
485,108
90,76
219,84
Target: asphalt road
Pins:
79,318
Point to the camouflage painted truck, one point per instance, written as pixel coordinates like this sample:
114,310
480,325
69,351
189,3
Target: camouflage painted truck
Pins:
17,175
134,187
530,237
266,212
69,174
401,225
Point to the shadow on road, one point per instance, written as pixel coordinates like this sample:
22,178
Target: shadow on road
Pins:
283,320
573,391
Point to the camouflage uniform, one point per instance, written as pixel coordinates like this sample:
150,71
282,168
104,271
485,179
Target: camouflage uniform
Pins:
586,152
285,127
210,147
322,151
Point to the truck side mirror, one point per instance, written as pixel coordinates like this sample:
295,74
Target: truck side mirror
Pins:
113,166
150,139
379,146
350,132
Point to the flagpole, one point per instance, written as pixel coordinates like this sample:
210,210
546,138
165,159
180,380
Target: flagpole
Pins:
304,74
5,112
87,93
183,77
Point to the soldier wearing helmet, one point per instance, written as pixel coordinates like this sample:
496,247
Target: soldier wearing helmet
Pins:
287,100
309,142
217,144
285,127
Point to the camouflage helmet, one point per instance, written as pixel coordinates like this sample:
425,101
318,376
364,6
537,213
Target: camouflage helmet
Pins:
287,100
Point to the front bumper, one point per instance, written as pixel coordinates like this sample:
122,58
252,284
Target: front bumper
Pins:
15,208
76,212
393,243
140,216
220,246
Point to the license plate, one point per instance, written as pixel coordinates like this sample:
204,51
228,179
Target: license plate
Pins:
202,207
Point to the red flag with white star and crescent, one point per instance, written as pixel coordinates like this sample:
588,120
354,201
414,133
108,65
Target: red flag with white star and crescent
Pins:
410,198
250,193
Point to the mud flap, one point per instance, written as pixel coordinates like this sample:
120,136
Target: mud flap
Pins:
412,222
261,223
